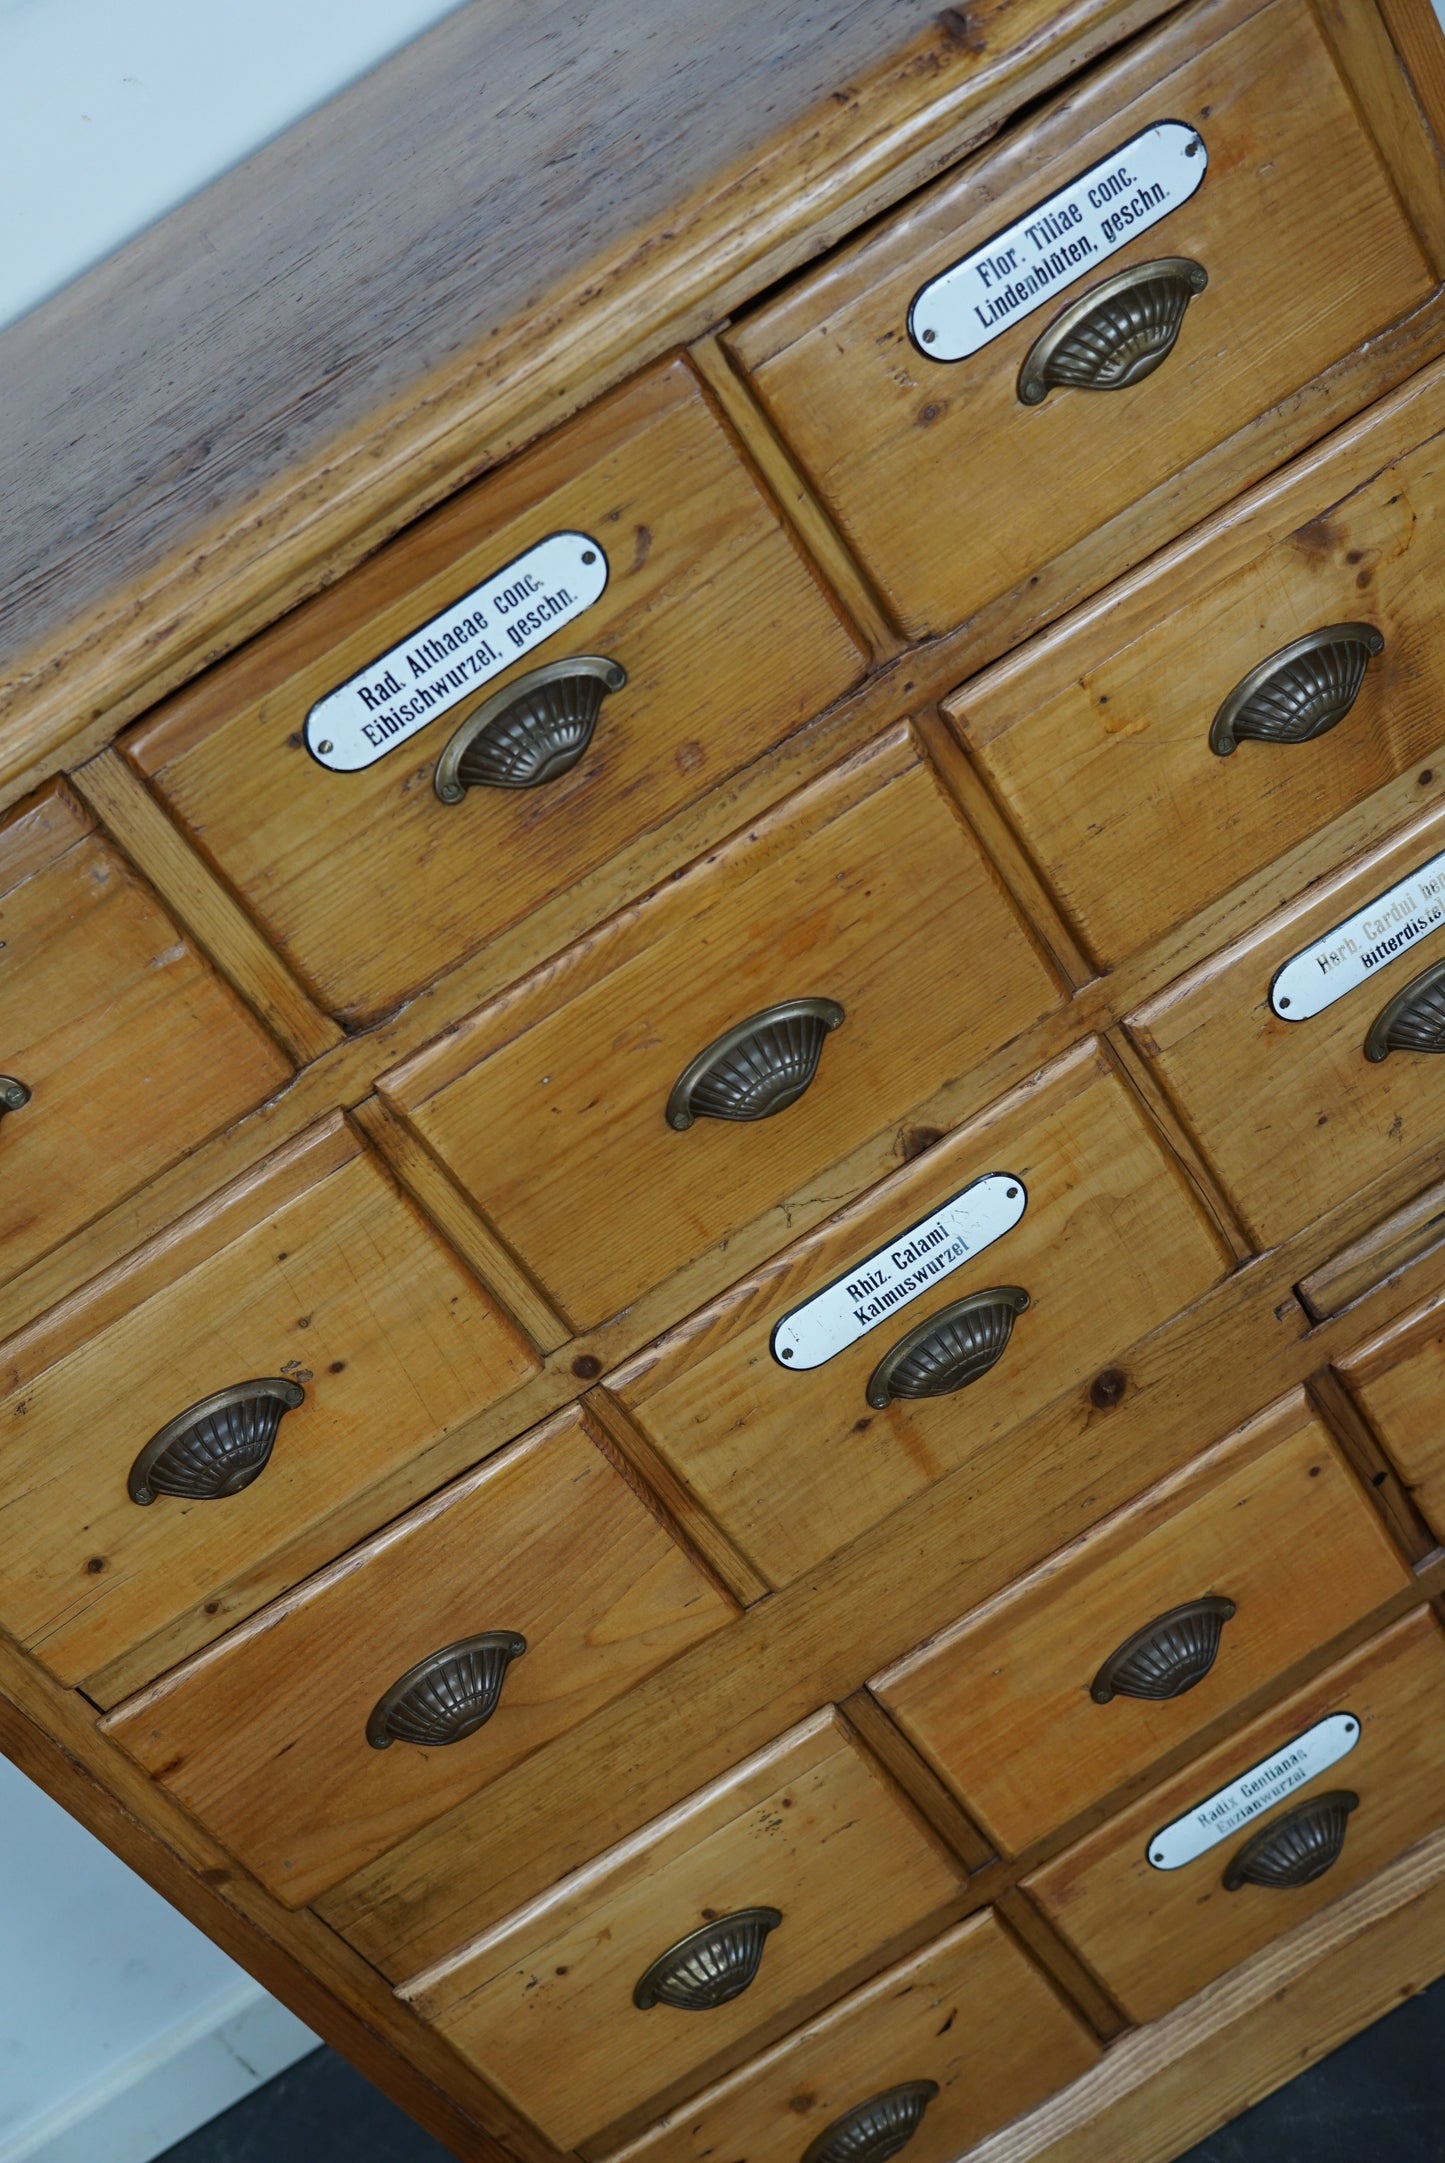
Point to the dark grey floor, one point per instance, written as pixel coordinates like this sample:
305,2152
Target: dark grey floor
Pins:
1380,2097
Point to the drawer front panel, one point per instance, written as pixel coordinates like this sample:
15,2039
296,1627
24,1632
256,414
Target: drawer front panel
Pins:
1272,1521
1399,1380
127,1049
1156,1936
1098,740
265,1738
367,882
794,1464
315,1272
810,1829
1292,1113
972,2016
553,1108
945,481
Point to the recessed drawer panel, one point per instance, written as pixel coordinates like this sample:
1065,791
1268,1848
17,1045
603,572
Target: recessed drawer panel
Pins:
366,879
1201,719
1300,1055
120,1050
418,1668
1399,1379
229,1408
958,477
789,1877
701,1058
1071,1683
1354,1766
925,1355
947,2046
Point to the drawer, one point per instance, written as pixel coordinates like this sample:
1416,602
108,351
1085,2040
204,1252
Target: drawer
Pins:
120,1049
365,879
797,1460
1155,1936
1294,1103
562,1107
511,1605
810,1830
971,2018
946,482
1209,714
1398,1378
1210,1585
313,1279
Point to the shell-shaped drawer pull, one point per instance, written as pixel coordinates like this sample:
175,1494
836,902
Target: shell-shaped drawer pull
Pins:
448,1695
1168,1656
710,1966
1299,693
532,731
758,1067
13,1094
1296,1848
951,1349
871,2132
1414,1020
217,1447
1117,334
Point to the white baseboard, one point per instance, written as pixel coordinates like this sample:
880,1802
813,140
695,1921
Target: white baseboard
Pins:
136,2108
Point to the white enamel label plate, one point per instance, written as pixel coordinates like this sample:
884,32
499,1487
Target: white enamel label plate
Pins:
1255,1791
512,612
878,1287
1374,936
969,305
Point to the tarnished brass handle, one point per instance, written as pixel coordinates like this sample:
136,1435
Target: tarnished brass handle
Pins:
217,1447
448,1695
12,1094
1117,334
710,1966
1168,1656
1299,693
871,2132
533,730
757,1068
1297,1848
951,1349
1414,1020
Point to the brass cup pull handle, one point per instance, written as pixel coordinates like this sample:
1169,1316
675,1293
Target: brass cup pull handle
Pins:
757,1068
1117,334
13,1094
1299,693
448,1695
1414,1020
1168,1656
710,1966
218,1446
871,2132
1294,1849
953,1348
532,731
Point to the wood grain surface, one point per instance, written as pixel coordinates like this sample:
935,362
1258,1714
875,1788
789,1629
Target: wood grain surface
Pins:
1157,1936
972,2014
951,491
264,1737
321,1272
453,256
866,889
810,1827
1273,1519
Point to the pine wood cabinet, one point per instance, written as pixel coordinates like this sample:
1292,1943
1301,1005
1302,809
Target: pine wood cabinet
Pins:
722,974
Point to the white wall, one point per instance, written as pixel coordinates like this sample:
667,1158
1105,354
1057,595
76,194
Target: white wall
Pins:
113,111
121,2027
